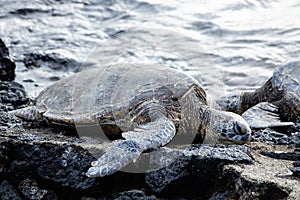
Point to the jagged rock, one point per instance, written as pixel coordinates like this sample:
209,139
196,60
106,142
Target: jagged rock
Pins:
270,136
31,190
202,162
51,60
200,171
6,107
295,156
134,195
62,161
48,157
12,93
296,169
4,52
281,152
8,121
7,66
266,179
8,192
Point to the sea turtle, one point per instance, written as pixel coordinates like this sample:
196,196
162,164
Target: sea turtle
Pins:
276,101
145,105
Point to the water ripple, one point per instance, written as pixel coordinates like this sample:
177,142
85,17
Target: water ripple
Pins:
246,39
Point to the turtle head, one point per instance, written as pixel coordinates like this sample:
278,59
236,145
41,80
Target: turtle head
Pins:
226,127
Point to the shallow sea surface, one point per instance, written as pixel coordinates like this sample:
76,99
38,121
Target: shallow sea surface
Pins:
233,45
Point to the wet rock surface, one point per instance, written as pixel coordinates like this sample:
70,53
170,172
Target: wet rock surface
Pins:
199,164
296,169
295,155
8,121
267,179
30,190
51,60
12,94
41,164
135,195
7,191
7,66
283,136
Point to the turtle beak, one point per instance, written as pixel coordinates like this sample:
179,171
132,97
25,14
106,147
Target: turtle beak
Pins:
241,128
242,133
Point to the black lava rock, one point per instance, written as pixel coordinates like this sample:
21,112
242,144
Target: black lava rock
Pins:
30,159
7,66
270,136
60,163
8,121
30,189
8,192
51,60
295,156
12,93
4,52
134,195
296,169
195,170
248,189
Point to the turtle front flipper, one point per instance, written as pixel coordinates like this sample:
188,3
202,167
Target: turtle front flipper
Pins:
264,115
146,136
30,113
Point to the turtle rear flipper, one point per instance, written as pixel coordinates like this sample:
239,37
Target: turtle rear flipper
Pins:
264,115
146,136
30,113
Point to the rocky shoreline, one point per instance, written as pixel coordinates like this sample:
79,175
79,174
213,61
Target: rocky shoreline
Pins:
49,163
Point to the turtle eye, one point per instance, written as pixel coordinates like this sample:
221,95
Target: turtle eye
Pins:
240,128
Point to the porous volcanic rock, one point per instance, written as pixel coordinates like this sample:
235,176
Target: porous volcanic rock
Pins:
7,66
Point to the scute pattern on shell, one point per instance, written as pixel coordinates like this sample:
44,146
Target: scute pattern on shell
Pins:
109,93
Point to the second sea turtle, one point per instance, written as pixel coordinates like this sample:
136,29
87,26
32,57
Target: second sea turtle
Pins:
276,103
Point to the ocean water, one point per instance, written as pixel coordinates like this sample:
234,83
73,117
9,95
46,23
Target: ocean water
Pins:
233,45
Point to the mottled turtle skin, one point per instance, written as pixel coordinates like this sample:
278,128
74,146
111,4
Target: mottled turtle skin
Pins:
287,79
279,97
145,106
